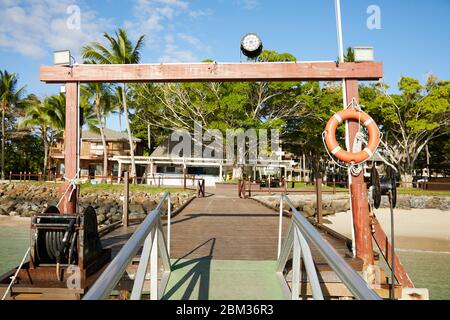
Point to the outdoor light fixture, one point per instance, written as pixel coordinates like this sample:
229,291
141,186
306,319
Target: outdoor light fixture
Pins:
251,45
62,58
364,54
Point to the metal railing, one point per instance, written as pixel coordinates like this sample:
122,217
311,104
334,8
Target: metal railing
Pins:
150,235
299,232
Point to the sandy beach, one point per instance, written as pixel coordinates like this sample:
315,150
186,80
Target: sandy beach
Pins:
420,229
6,221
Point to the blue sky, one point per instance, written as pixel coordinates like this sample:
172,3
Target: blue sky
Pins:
413,39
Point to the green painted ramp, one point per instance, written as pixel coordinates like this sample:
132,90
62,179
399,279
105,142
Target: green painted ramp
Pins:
207,279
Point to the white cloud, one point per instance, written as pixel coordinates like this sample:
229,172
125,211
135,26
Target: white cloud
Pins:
34,28
249,4
174,53
159,21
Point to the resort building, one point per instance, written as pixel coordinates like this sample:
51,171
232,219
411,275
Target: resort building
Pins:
91,155
163,168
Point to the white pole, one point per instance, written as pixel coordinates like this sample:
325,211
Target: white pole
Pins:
169,216
344,98
280,226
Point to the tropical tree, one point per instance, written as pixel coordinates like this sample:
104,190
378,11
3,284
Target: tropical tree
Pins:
36,116
410,119
99,95
119,50
10,97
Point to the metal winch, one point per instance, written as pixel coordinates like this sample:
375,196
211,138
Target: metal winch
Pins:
60,240
383,186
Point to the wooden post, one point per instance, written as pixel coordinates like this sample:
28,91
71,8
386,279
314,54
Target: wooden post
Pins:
10,176
20,176
334,185
69,204
126,198
360,204
319,199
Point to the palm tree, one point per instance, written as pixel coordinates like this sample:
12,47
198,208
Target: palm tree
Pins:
37,115
350,56
10,96
100,95
56,111
121,51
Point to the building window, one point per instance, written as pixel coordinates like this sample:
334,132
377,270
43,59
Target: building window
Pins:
170,169
99,169
115,169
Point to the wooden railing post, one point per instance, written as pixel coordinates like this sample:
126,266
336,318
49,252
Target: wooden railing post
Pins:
126,198
10,176
319,199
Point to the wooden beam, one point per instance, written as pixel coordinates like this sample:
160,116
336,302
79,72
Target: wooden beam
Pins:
213,72
383,244
69,205
360,203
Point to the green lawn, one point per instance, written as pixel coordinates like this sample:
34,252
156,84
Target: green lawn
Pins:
93,188
419,192
87,188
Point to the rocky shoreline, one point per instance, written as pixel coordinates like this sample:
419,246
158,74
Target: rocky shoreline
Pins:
332,204
25,200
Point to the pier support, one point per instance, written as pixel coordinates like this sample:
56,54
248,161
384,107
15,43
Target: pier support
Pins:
70,203
360,204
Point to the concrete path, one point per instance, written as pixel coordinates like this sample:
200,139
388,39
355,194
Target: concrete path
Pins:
208,279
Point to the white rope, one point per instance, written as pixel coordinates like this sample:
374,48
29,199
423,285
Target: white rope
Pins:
379,154
17,272
73,183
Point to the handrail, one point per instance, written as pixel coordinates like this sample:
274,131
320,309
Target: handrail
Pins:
354,282
113,273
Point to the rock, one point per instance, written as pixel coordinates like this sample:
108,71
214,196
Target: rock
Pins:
149,204
13,214
100,218
341,205
104,209
28,214
8,206
116,217
137,208
137,216
432,202
308,211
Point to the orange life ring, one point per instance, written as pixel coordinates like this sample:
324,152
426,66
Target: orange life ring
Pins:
364,119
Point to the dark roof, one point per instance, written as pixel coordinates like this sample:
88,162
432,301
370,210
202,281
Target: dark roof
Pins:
110,135
165,148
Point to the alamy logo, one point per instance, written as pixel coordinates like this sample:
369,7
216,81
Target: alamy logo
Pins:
74,280
73,22
240,147
374,20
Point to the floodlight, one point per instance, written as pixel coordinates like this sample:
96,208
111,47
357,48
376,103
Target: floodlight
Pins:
364,54
251,45
62,58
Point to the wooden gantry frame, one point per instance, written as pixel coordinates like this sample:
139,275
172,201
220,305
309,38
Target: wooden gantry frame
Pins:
72,76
